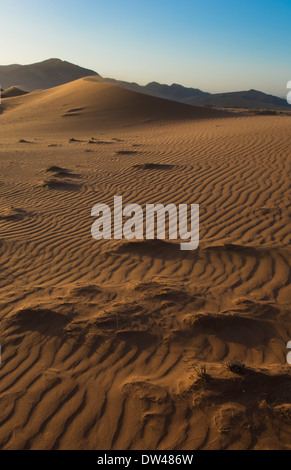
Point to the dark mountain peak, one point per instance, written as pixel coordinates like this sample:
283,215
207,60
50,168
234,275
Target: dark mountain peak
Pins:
177,85
254,92
175,91
52,60
41,75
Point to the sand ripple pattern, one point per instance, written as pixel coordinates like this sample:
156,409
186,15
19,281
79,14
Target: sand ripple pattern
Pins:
103,343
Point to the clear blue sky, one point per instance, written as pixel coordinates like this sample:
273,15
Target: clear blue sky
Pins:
215,45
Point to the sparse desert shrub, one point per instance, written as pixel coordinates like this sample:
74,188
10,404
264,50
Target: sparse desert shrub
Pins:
236,366
201,372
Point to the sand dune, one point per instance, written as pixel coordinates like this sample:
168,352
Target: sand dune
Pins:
12,91
88,104
136,344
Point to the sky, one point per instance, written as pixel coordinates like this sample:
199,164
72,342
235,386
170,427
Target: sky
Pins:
214,45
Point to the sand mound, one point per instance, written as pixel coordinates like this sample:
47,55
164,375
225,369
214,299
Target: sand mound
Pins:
153,166
12,214
61,185
41,320
13,91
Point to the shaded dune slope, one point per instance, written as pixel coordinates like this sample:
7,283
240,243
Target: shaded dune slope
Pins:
12,91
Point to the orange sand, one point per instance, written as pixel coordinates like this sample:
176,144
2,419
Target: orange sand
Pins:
104,343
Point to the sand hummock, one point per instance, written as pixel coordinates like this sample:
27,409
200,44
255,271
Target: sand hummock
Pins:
12,91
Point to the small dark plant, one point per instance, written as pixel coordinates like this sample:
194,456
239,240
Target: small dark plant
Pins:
201,373
236,366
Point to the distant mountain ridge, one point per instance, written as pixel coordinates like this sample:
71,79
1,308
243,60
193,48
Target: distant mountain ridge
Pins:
54,72
251,99
41,75
173,92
